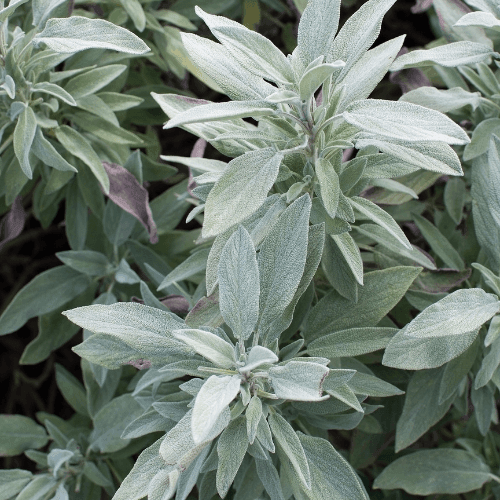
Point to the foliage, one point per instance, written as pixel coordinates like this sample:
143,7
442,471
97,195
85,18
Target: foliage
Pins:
325,321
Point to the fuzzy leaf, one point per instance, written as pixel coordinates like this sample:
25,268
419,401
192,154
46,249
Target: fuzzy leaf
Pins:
241,190
239,285
19,433
76,33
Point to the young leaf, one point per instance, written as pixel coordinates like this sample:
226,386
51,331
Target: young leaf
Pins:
316,30
299,381
241,190
76,33
239,285
253,416
212,399
252,50
208,345
430,472
315,77
258,356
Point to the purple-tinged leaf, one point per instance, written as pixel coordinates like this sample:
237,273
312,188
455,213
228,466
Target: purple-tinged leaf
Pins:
411,78
197,152
421,6
140,364
12,224
175,303
128,194
440,280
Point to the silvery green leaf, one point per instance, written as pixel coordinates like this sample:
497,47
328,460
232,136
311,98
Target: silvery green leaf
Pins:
421,409
380,217
281,261
358,33
91,81
381,291
460,312
239,287
13,481
317,28
107,430
55,90
125,274
446,471
387,240
490,279
85,261
364,76
329,185
76,33
345,394
24,133
290,447
350,253
442,100
147,465
264,435
363,383
137,329
194,264
332,476
222,111
312,79
258,356
482,137
136,12
219,64
56,459
213,398
241,190
484,19
163,484
493,331
429,155
178,447
270,479
9,85
253,416
394,186
488,366
208,345
46,152
450,55
78,146
252,50
284,96
404,121
486,204
455,371
19,433
231,448
484,407
7,11
454,198
39,488
42,9
351,342
188,478
439,243
420,353
299,381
